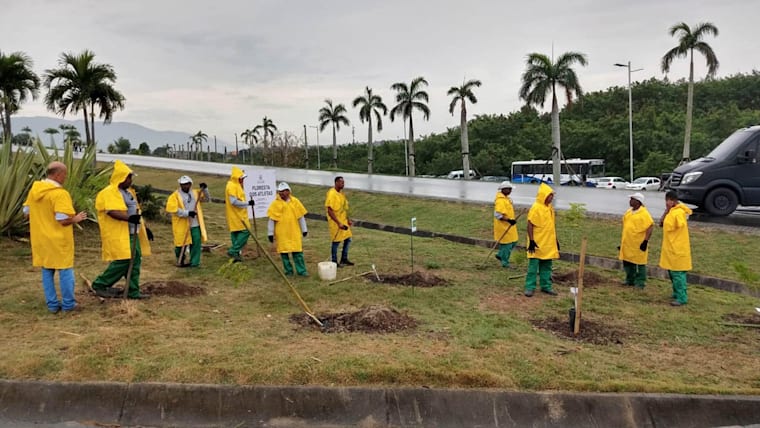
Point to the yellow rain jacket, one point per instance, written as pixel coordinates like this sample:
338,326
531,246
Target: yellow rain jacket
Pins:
339,204
503,205
635,225
114,234
237,217
52,243
181,225
541,216
287,230
676,248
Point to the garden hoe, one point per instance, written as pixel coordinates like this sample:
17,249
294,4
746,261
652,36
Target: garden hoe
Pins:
496,243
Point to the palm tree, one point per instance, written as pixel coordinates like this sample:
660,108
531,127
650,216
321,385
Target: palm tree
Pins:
17,83
335,115
370,104
267,127
198,139
51,132
81,84
461,94
251,138
690,39
543,76
409,98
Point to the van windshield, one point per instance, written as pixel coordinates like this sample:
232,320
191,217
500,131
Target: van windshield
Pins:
730,145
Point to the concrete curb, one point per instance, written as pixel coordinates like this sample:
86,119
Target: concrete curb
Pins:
189,405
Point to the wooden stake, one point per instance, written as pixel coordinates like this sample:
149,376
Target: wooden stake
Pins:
579,297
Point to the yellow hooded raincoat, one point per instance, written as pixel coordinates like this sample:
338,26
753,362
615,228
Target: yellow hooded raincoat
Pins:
676,248
339,204
502,204
114,234
635,225
181,225
541,216
52,243
237,217
287,231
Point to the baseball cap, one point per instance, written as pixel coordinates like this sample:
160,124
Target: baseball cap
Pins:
505,185
184,180
638,196
282,186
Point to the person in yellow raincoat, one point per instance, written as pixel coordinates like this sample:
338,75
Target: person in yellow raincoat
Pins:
504,230
287,227
338,222
236,210
51,214
123,235
188,226
634,241
543,245
675,255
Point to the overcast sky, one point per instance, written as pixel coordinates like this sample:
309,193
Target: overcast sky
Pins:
220,66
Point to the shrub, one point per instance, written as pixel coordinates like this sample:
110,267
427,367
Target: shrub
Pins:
18,171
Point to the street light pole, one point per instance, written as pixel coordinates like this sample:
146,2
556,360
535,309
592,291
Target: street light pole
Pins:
319,162
630,114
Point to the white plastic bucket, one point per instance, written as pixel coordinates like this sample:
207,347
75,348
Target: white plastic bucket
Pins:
327,270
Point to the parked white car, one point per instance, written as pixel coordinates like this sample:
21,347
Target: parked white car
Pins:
644,183
611,182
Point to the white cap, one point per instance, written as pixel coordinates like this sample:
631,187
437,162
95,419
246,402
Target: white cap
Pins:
505,185
282,186
638,196
184,180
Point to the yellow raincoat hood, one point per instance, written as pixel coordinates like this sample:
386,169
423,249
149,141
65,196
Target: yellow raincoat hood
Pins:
544,190
120,173
236,174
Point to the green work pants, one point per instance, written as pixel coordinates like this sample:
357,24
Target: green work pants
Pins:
542,269
297,260
239,239
635,274
118,269
505,252
195,248
678,278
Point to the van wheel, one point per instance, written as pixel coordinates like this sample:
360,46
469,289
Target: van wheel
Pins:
721,201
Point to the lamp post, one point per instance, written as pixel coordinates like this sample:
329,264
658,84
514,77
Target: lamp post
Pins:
630,114
319,163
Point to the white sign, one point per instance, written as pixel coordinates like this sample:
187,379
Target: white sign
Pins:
261,186
414,224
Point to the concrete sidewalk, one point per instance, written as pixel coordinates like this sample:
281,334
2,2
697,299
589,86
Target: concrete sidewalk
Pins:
187,405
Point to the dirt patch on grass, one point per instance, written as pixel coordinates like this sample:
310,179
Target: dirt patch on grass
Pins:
591,331
509,301
368,319
751,319
590,279
417,279
172,289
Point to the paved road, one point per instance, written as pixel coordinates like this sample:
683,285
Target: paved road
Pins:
603,201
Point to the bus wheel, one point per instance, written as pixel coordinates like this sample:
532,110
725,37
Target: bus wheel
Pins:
721,201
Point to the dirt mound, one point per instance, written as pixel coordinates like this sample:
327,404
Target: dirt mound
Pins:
590,279
417,279
368,319
171,289
591,331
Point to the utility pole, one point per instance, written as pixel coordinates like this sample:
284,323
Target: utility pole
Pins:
306,144
353,135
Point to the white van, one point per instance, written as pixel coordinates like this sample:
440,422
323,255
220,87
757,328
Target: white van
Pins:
459,175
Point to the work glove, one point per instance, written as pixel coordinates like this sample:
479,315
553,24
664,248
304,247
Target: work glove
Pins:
149,233
643,246
344,226
134,219
305,233
618,247
512,221
203,185
251,202
192,214
271,238
532,247
557,244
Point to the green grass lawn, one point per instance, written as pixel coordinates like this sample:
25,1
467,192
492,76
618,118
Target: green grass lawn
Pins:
479,331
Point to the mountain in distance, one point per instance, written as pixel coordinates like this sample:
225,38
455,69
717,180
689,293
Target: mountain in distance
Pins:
107,134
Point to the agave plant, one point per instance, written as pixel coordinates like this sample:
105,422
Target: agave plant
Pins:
18,170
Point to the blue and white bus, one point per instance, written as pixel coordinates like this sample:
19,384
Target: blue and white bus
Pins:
572,172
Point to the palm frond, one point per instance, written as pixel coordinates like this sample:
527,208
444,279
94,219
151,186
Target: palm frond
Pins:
710,58
453,104
681,27
670,55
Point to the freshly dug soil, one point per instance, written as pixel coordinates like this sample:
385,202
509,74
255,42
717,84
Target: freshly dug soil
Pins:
417,279
171,289
368,319
591,331
590,279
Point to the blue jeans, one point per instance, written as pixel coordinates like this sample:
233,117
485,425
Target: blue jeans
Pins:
344,254
66,279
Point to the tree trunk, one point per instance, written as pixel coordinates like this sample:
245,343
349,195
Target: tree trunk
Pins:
335,148
465,142
411,147
689,106
92,122
7,134
370,159
556,150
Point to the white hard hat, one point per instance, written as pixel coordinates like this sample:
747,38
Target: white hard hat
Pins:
282,186
185,180
638,196
505,185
